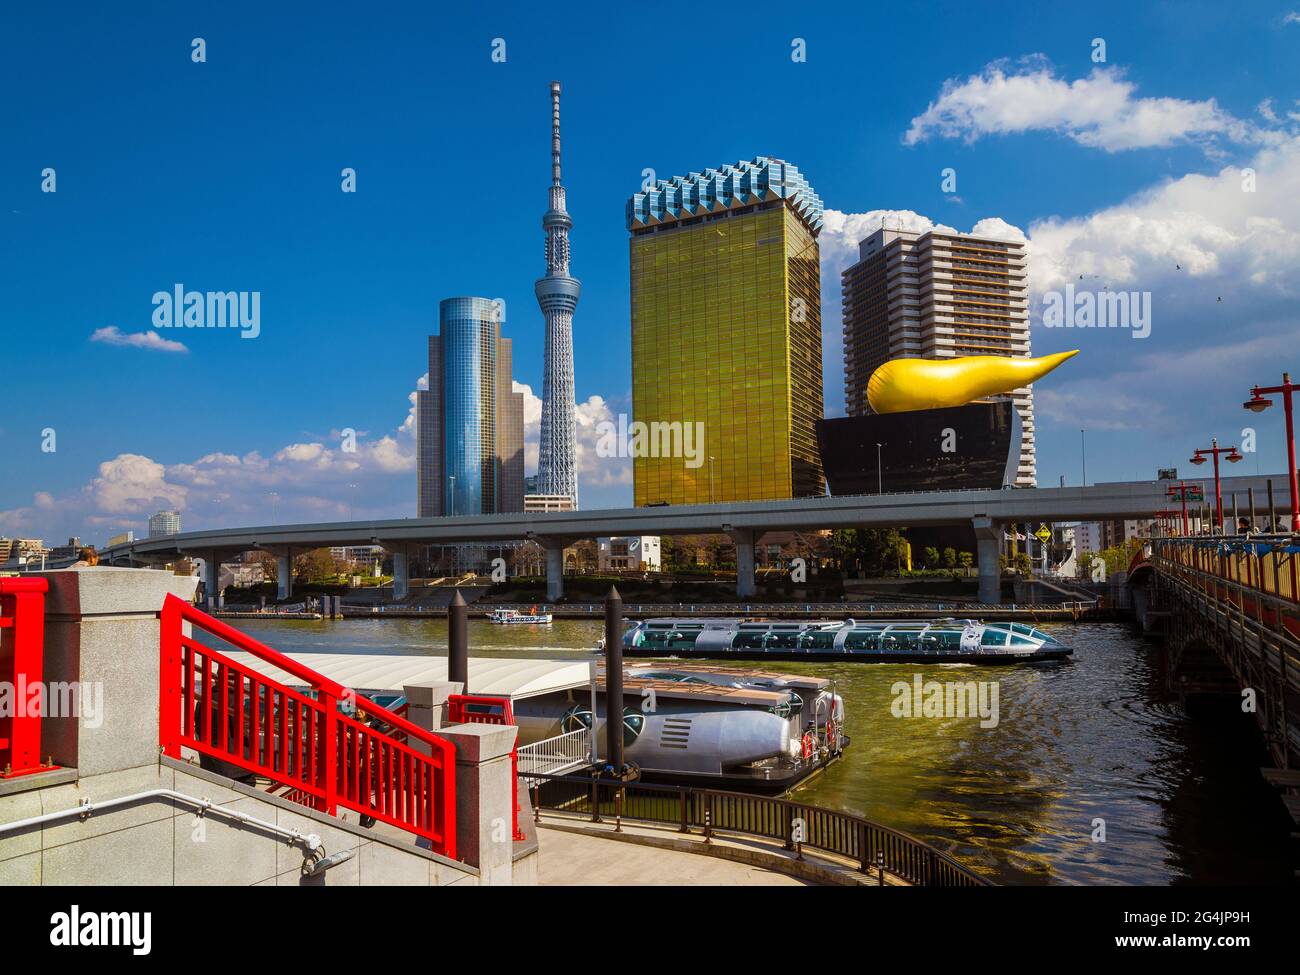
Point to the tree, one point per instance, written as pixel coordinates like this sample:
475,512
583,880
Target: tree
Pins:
931,557
950,557
316,565
967,559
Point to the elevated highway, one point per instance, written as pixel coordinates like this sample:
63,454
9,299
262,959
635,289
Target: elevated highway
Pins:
745,523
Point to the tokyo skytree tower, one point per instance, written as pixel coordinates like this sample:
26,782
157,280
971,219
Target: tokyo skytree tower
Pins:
557,293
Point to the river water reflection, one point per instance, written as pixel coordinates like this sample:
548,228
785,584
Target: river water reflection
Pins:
1077,742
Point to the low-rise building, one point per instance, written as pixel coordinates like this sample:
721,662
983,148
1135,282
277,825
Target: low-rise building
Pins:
637,553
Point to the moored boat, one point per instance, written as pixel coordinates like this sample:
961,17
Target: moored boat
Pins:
878,641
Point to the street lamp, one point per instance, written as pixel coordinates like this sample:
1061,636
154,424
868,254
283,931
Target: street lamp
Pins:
711,459
275,500
1232,456
1258,403
879,471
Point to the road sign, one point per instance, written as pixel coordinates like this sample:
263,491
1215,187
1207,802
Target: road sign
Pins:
1044,534
1187,492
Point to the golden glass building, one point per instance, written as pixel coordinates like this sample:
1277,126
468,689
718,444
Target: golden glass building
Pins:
727,335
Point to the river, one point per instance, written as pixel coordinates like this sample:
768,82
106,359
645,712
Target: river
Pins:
1080,748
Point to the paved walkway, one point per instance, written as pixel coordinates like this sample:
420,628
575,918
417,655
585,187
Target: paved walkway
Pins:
569,859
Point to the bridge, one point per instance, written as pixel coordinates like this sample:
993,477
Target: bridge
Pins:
1228,612
745,522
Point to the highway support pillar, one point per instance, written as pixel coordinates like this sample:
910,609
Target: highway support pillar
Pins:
987,541
212,580
284,574
554,570
744,540
401,574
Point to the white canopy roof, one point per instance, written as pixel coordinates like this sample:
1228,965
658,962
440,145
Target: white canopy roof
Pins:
372,673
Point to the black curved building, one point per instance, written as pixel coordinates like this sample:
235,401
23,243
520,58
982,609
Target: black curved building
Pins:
962,447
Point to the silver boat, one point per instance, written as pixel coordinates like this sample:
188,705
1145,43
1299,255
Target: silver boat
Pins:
879,641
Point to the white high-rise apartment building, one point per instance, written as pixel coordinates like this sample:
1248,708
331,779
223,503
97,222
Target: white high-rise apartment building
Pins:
937,295
165,523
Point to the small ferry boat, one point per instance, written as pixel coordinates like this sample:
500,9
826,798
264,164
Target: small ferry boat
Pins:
878,641
515,616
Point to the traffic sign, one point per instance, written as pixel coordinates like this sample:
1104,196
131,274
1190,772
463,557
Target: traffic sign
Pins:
1044,534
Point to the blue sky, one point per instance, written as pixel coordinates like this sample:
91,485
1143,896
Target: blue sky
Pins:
225,175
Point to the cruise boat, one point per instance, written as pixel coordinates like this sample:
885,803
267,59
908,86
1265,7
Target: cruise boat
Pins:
878,641
722,727
515,616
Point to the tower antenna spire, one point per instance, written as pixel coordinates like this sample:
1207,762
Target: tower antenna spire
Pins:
555,133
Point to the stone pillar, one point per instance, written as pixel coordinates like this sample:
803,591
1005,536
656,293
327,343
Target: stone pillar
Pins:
102,637
426,704
744,541
554,571
401,575
485,814
284,574
987,541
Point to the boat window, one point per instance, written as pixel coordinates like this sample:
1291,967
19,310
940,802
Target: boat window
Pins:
785,640
748,640
681,641
633,723
653,638
941,640
862,640
818,640
1022,641
993,638
900,640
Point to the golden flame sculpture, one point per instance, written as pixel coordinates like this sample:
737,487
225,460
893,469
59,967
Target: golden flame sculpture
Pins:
903,385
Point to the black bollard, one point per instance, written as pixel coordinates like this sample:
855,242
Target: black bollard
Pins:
1272,511
458,642
614,680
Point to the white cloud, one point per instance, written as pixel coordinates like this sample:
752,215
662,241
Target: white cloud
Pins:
1101,111
593,470
112,335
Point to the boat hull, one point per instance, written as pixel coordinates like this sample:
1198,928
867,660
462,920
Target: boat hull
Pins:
840,656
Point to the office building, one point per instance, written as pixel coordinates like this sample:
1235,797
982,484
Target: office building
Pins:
726,335
469,422
936,295
165,523
548,502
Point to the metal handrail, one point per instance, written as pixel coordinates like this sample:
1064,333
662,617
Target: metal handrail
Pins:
795,824
220,708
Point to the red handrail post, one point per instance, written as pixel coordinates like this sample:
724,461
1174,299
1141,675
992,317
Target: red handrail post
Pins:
22,611
330,769
169,677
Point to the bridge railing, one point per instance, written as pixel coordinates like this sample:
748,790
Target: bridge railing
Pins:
302,742
1258,572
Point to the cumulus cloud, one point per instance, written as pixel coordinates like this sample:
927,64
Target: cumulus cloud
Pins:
313,480
1101,110
593,470
112,335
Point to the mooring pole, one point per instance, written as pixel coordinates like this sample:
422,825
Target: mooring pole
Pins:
458,642
1272,511
614,680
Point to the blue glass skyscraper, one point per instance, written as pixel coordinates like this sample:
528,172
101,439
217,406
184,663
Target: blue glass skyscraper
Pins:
469,422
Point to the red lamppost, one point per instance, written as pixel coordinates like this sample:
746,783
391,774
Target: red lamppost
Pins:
1232,457
1258,404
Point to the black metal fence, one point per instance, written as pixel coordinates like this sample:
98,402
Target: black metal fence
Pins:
794,824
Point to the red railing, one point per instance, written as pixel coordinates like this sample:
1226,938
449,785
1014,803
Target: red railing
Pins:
302,742
476,709
22,662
